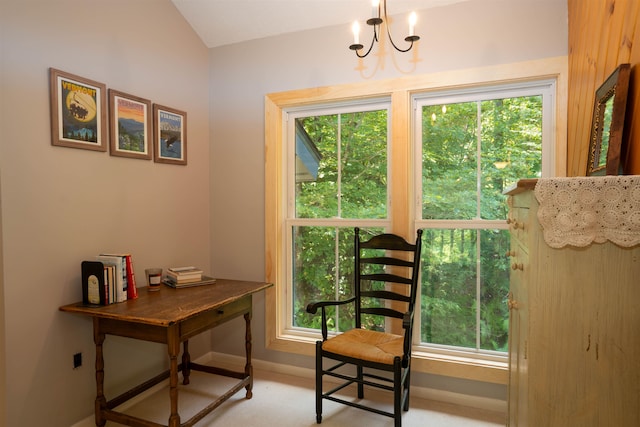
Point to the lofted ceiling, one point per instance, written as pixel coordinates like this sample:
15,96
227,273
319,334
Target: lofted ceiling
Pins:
222,22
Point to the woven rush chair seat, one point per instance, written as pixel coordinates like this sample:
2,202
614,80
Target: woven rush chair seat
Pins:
374,346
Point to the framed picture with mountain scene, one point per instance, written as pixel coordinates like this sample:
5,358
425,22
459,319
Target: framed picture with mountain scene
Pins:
78,111
170,135
130,126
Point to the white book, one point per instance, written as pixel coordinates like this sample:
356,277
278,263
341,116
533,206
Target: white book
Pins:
121,274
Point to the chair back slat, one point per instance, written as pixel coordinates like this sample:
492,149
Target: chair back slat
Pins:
385,295
382,311
387,261
386,277
388,241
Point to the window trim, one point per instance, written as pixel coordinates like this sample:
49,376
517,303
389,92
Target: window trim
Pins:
401,214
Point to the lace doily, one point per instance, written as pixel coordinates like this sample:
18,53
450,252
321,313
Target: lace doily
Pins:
581,210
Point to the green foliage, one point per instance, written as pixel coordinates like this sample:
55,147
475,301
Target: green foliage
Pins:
352,175
470,152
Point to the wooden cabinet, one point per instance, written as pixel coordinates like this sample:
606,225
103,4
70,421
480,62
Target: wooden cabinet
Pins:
574,343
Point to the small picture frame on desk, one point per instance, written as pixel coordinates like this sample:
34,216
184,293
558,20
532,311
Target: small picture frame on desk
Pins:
170,135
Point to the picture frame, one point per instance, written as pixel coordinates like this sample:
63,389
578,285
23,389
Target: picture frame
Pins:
170,135
607,124
78,111
131,127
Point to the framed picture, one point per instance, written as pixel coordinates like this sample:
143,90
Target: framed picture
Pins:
607,124
170,135
78,111
130,126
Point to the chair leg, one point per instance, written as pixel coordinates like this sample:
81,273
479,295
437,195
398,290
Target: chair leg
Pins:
360,385
397,392
407,388
318,382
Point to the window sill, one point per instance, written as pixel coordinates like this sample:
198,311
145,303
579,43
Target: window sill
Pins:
465,367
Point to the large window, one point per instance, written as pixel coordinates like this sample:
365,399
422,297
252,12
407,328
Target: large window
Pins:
470,146
396,156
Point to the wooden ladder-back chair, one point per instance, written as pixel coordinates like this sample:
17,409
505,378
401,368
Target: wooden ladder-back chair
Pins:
385,282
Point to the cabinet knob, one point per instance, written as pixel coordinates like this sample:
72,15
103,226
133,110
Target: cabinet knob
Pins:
511,303
517,266
510,253
515,224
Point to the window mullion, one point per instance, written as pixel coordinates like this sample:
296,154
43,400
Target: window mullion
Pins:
337,230
339,165
478,158
338,267
478,215
478,290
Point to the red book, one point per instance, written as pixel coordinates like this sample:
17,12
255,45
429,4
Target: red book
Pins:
132,291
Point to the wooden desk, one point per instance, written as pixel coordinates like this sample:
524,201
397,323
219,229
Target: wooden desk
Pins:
171,316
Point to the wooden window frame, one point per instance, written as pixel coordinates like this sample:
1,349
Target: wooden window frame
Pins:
401,214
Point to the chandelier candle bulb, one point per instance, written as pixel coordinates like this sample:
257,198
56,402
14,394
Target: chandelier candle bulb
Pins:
412,23
375,13
356,32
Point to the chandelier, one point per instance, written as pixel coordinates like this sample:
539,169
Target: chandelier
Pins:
380,16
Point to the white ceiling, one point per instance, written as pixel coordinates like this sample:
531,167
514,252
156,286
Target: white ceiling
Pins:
222,22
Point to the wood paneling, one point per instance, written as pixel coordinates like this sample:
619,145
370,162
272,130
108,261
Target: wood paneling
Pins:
602,35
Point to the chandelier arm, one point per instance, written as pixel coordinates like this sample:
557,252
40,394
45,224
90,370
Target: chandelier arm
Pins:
373,41
409,38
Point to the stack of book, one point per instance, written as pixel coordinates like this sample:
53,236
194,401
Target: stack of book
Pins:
108,279
182,275
178,277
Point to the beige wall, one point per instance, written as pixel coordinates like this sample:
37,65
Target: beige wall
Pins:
62,205
465,35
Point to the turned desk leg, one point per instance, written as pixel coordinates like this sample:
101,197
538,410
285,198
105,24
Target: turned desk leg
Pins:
101,401
248,369
173,345
186,362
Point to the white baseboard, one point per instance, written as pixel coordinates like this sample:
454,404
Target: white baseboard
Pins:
237,363
477,402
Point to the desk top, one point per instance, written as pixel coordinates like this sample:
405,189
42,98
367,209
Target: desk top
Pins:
168,306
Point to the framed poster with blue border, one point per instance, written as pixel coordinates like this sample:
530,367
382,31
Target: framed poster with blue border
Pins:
170,135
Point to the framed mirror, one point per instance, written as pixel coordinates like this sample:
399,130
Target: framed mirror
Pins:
607,124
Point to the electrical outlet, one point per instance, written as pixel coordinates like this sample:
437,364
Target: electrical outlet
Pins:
77,360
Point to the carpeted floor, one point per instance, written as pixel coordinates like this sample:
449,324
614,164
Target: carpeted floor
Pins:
289,401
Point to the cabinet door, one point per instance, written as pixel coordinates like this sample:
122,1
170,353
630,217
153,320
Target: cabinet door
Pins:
584,337
614,322
518,337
